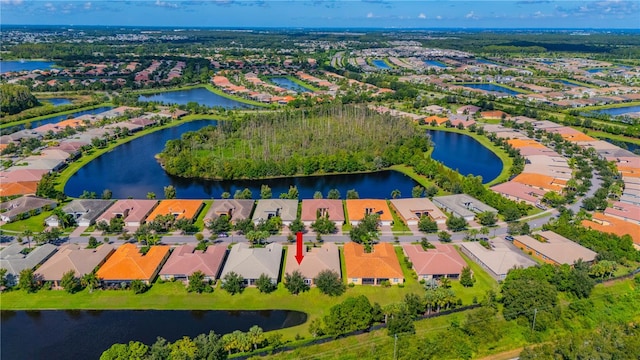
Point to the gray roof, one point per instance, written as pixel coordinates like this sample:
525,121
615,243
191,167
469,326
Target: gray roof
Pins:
24,204
285,208
557,248
14,261
462,204
86,209
502,257
253,262
315,260
239,209
74,257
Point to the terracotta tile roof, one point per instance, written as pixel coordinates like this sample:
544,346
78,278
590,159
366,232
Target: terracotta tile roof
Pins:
357,209
382,262
180,208
127,263
520,143
494,114
438,119
609,224
443,260
539,181
18,188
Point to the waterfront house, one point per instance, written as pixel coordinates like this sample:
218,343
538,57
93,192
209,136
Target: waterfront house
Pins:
250,263
312,209
286,209
85,211
316,259
127,264
73,257
462,205
411,210
357,209
234,209
179,208
132,211
17,257
185,260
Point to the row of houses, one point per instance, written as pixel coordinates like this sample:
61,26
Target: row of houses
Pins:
134,212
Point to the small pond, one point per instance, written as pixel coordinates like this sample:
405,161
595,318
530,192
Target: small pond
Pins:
79,334
435,63
620,110
288,84
380,64
493,88
465,154
199,95
56,101
24,65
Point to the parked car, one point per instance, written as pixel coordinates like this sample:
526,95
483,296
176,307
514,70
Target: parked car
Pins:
508,238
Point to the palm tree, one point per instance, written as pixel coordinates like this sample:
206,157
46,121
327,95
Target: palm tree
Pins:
395,194
90,281
27,233
256,336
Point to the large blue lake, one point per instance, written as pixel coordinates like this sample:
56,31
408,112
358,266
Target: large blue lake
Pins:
55,119
380,64
10,66
131,170
492,87
201,96
288,84
465,154
620,110
80,334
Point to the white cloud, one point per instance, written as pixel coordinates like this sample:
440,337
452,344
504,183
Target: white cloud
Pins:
471,15
11,2
370,15
439,17
87,5
422,16
49,6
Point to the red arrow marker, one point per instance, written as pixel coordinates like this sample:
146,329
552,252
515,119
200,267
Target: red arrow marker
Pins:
299,255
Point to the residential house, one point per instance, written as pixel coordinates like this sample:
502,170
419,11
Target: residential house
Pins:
132,211
127,264
357,209
234,209
179,208
286,209
553,248
73,257
84,211
411,210
185,260
24,207
462,205
15,258
443,261
315,260
498,259
250,263
312,209
374,268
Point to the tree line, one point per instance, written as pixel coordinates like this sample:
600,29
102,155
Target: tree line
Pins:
326,139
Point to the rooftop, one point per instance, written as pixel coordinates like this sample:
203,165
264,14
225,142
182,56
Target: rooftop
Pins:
382,262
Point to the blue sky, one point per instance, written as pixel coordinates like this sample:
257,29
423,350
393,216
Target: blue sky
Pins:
327,13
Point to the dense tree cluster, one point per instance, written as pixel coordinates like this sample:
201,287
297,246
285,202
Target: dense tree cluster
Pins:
326,139
15,98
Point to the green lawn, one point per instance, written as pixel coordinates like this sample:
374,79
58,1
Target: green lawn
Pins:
34,223
484,282
200,219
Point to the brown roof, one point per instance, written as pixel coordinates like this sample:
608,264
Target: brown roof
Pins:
382,262
315,260
185,260
74,257
443,260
